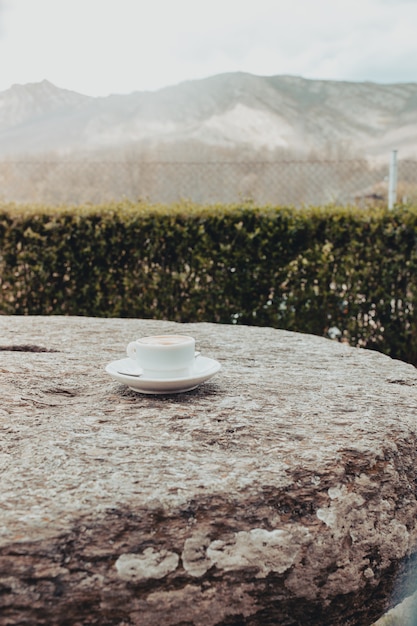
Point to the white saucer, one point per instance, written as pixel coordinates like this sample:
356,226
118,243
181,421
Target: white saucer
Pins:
127,372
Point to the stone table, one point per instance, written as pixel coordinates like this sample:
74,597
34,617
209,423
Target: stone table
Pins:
282,491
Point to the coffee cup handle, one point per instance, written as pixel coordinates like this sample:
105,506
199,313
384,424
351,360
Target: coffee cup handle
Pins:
131,349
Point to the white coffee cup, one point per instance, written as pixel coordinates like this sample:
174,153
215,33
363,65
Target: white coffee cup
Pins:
161,356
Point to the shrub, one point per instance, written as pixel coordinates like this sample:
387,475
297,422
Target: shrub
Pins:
306,270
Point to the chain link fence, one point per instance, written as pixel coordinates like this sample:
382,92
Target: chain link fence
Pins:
292,183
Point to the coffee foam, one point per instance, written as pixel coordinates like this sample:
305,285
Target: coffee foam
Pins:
164,340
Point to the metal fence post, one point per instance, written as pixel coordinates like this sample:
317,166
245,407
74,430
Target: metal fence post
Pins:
392,186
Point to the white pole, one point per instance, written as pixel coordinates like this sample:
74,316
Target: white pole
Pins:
392,186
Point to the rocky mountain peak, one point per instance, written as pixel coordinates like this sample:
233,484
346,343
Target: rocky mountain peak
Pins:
234,110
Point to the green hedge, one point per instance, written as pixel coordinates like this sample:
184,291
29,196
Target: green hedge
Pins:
305,270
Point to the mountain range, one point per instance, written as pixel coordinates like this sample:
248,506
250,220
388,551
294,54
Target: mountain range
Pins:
235,115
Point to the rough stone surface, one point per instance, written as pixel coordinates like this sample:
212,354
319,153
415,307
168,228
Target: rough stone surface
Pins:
282,491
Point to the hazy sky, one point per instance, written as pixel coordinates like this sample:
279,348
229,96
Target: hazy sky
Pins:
98,47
